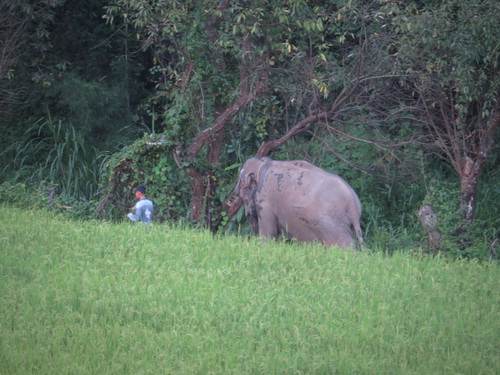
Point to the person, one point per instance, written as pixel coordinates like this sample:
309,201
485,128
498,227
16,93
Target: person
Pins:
143,209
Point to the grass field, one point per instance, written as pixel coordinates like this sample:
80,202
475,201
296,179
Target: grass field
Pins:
101,298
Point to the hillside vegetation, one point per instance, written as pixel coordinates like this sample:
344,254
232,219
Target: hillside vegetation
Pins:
399,98
85,297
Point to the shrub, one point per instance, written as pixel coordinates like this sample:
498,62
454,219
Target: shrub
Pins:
147,161
43,196
458,239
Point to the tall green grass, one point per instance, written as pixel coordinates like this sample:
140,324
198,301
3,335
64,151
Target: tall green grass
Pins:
99,298
58,154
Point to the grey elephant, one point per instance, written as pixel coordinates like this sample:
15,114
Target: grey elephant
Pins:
299,200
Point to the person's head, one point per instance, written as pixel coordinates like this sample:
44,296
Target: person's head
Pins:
140,191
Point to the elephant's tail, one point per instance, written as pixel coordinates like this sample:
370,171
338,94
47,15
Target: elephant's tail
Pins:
359,234
355,216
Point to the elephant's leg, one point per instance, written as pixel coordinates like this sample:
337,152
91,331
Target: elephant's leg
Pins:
254,223
337,233
340,239
268,224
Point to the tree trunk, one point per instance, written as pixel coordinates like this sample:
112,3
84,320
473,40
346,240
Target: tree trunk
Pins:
214,156
471,169
468,189
215,131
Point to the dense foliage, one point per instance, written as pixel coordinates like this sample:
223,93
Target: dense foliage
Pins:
399,98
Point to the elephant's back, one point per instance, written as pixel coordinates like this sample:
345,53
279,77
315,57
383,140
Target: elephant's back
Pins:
294,175
306,181
314,184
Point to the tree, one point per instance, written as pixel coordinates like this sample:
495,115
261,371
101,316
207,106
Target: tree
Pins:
214,60
264,71
450,57
23,26
67,89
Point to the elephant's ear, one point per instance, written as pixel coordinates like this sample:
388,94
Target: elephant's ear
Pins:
246,183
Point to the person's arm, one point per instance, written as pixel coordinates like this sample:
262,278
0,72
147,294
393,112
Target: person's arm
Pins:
133,216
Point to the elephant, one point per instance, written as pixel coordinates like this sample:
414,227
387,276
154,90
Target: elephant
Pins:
299,200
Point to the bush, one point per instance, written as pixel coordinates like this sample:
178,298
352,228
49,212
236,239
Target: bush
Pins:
43,196
147,161
458,239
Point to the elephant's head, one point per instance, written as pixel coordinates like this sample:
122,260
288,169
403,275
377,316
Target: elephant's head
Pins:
250,175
